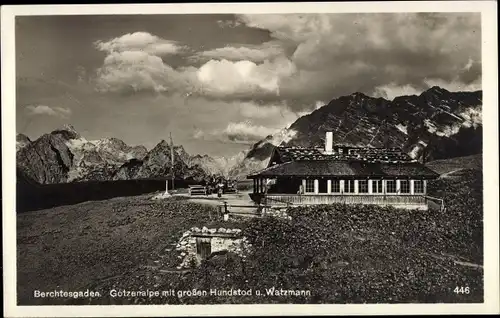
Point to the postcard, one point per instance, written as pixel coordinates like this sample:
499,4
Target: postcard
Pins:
250,159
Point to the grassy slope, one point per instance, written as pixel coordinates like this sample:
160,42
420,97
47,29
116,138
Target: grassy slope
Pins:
366,254
347,254
72,247
353,254
454,164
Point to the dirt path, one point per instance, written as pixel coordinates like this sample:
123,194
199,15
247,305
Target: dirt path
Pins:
232,199
455,260
450,173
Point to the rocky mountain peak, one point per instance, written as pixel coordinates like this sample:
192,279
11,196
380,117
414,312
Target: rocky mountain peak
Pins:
436,92
22,138
359,95
22,141
161,146
67,131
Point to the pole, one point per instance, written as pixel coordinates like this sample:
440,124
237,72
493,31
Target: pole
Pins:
172,160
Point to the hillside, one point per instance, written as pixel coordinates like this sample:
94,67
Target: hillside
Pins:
436,124
341,254
454,165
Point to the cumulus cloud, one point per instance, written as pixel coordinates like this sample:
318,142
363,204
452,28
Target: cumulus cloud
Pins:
132,64
35,110
309,57
455,85
136,70
140,41
244,132
393,90
337,54
223,77
260,53
254,121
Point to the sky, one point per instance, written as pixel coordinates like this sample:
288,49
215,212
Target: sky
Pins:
220,83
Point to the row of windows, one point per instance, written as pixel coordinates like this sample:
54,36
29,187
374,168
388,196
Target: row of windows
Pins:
377,186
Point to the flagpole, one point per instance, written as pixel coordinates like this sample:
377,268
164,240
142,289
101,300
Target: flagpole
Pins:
172,160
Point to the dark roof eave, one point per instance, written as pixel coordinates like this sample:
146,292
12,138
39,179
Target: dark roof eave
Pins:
254,176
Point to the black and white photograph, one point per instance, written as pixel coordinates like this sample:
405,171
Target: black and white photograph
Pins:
223,156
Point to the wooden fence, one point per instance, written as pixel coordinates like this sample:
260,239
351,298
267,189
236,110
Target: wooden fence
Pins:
294,199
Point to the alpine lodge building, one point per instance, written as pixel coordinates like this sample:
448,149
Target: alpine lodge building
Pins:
342,174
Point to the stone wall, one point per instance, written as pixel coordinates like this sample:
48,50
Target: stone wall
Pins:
220,239
276,212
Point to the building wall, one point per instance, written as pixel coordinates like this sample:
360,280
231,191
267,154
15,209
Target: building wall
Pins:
370,187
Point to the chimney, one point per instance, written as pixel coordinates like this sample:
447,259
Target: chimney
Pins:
329,142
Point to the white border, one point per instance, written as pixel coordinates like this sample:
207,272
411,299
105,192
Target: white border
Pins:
490,159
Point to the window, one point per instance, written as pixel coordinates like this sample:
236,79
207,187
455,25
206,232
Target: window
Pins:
323,186
377,186
418,186
349,186
404,186
309,186
335,186
363,186
391,186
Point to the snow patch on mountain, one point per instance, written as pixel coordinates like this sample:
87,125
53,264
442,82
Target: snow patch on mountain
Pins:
91,154
472,116
402,128
283,136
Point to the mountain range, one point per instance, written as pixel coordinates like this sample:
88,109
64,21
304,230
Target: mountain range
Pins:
437,124
65,156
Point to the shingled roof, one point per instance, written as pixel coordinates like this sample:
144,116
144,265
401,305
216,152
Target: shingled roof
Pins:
344,168
366,154
344,161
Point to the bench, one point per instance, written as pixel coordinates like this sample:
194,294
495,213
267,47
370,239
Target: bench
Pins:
197,189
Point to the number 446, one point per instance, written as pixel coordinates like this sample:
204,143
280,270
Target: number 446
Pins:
461,290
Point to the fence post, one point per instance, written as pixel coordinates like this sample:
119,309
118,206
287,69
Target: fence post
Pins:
226,212
265,204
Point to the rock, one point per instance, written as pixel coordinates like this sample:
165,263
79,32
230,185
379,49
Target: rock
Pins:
46,160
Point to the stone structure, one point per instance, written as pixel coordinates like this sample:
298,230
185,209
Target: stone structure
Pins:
198,244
